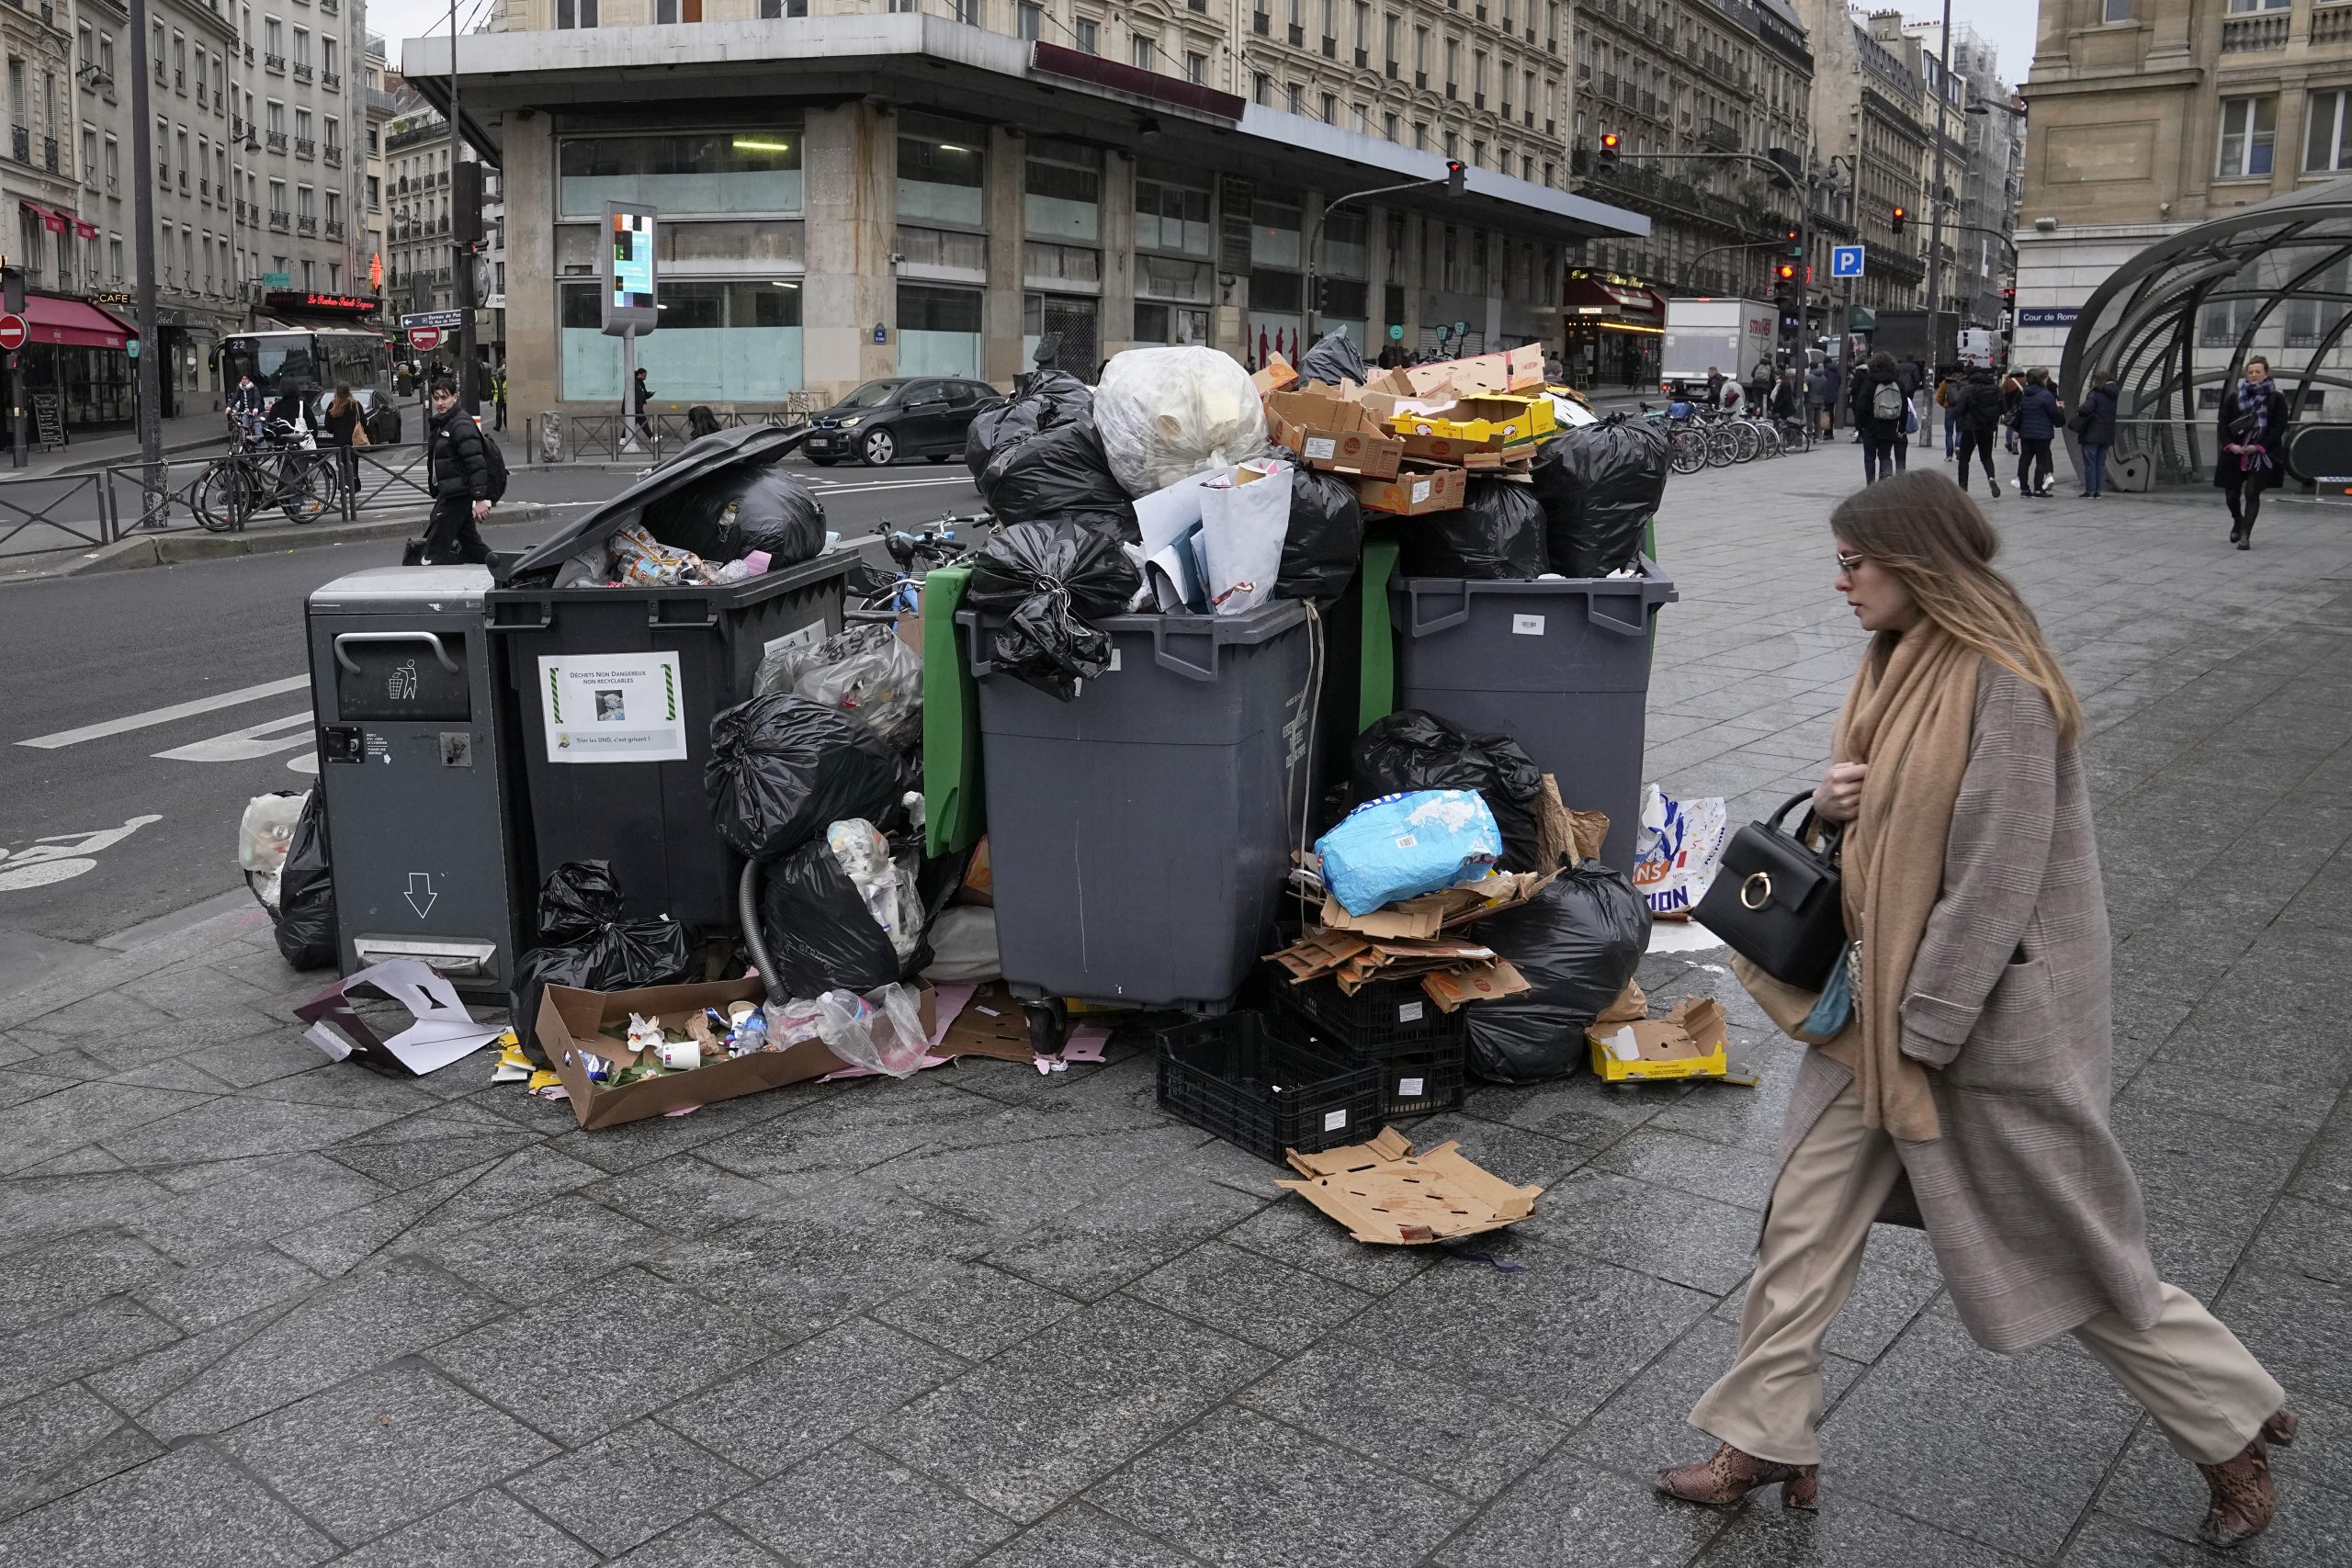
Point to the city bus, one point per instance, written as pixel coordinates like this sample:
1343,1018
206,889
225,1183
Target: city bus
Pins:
317,359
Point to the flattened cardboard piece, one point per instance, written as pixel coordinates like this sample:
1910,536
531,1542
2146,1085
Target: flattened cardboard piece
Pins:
1387,1195
1562,834
992,1025
1424,916
1415,491
1329,429
1450,988
569,1022
443,1030
1275,376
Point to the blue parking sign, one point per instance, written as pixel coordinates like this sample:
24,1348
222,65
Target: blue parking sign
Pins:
1846,260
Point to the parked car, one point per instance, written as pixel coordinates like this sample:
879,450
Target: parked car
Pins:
901,416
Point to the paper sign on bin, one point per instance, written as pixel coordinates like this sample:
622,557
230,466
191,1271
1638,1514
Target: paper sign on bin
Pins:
613,707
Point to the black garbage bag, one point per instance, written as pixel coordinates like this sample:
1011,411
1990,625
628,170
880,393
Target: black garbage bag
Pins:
1334,358
1058,473
1051,398
305,926
1324,544
586,944
782,767
1599,485
1046,577
1495,533
738,510
1578,942
1413,750
820,936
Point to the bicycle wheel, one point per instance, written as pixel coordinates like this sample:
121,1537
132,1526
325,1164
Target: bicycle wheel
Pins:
1690,450
1768,438
1742,439
1723,449
306,486
224,496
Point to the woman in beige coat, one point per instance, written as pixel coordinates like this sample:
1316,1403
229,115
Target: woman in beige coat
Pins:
1974,1068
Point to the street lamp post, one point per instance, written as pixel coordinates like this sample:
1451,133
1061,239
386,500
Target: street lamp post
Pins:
461,269
142,188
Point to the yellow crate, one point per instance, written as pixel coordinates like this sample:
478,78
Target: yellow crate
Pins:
1482,422
1608,1069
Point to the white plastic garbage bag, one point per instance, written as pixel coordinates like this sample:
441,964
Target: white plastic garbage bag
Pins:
263,834
881,1031
1680,845
963,946
1165,412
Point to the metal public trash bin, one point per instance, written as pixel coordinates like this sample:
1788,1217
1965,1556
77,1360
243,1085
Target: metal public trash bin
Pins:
1562,667
416,772
614,688
1139,835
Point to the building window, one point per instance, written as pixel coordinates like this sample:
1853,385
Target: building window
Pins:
1027,19
2249,127
685,173
2237,8
1087,40
972,13
939,170
669,13
1261,89
1170,216
575,13
939,329
1196,69
1170,324
2328,145
1141,47
1062,190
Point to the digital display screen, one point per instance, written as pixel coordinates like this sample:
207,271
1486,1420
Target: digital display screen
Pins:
632,261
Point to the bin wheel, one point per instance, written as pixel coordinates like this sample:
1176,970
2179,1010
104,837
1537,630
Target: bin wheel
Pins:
1049,1025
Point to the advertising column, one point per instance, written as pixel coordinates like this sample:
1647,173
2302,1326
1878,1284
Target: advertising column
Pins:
625,271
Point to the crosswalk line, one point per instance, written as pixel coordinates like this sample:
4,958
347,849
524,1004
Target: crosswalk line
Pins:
242,745
166,714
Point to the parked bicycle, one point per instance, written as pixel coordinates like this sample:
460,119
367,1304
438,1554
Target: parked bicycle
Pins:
282,466
916,552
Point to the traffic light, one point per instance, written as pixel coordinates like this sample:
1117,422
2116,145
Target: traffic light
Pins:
1899,214
12,278
464,202
1795,242
1606,160
1454,171
1786,273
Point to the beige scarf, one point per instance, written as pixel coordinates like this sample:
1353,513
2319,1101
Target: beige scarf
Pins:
1909,715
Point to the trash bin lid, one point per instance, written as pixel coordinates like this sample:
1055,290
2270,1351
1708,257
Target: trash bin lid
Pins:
463,586
756,444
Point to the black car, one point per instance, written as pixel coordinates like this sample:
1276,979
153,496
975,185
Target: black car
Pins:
902,416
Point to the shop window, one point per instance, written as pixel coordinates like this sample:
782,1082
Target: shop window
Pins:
1273,235
1062,190
1178,324
940,169
1170,216
683,174
939,329
719,339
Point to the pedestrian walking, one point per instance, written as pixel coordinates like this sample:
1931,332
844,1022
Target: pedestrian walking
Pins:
499,389
341,424
2012,394
2039,411
1977,407
2253,440
2095,429
1952,381
640,395
1973,1064
458,472
1881,407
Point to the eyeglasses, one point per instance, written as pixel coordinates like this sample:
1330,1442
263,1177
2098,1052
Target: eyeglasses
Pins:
1848,563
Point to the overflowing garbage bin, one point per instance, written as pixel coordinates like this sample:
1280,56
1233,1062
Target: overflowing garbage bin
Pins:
1139,833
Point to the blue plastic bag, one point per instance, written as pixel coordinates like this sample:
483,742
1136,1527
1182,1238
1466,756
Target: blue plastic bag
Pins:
1402,845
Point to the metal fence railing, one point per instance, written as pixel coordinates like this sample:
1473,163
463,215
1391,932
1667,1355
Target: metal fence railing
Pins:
75,506
652,439
233,491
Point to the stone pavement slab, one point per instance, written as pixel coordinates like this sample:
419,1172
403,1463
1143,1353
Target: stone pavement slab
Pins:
256,1309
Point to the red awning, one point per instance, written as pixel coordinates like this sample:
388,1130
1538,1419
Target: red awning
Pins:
1589,297
74,323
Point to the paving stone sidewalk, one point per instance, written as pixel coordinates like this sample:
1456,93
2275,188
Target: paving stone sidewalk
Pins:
259,1309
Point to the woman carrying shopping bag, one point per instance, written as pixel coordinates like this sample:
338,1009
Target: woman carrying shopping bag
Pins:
2254,443
1972,1064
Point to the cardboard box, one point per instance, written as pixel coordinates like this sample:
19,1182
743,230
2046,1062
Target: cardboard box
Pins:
1492,427
1387,1195
1330,429
1484,375
1415,491
1449,989
1692,1041
1276,375
1423,916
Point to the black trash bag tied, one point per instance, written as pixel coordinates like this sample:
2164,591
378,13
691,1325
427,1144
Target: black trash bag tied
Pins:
1334,359
587,944
1413,750
306,932
1599,485
820,935
1051,398
1048,578
1324,544
741,509
1496,534
782,767
1059,473
1576,943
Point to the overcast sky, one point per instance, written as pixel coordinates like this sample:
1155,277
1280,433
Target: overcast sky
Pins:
2007,23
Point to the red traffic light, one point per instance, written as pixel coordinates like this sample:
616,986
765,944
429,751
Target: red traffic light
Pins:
1608,139
1899,215
1456,173
1787,273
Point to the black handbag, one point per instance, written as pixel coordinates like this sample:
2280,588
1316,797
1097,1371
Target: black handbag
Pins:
1776,900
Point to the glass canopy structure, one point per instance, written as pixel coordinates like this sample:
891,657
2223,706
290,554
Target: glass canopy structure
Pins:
2176,323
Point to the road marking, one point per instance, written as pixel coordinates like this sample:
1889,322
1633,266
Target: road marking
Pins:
61,857
893,484
242,745
164,716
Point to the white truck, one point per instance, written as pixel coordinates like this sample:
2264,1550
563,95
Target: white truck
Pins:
1729,335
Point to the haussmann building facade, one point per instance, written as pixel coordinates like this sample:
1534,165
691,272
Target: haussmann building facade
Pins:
849,196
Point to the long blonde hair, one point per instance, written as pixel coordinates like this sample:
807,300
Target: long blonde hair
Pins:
1923,528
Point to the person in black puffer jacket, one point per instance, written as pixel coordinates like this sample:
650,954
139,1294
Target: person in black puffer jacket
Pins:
1976,405
2039,411
459,474
2095,428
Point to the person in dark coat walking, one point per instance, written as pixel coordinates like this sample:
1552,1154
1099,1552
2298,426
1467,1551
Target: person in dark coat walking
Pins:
2095,427
1880,404
2254,443
458,471
2012,394
1976,407
2038,410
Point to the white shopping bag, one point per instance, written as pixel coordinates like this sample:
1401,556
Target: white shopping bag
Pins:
1244,515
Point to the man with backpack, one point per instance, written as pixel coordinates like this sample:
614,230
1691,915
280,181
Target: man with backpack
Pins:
465,472
1976,409
1880,405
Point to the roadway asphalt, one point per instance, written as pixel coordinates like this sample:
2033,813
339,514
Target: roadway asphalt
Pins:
93,651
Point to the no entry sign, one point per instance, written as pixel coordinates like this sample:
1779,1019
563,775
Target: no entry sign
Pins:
422,339
12,332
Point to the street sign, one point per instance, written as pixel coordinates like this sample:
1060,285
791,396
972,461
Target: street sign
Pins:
1846,260
447,321
1461,328
13,333
424,340
1396,332
130,347
280,280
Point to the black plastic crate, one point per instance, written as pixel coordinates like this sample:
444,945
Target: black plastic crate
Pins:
1261,1090
1385,1017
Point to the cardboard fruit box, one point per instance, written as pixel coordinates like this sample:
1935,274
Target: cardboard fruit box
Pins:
1474,426
1486,375
1330,429
1414,492
571,1022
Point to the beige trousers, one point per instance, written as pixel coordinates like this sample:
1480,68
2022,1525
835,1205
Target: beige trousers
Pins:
2204,1388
